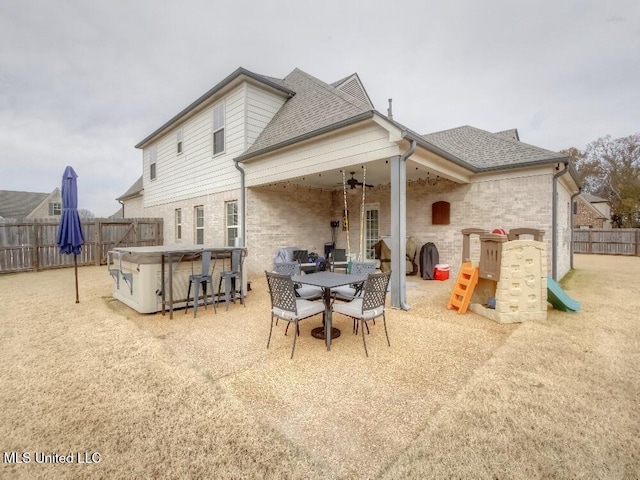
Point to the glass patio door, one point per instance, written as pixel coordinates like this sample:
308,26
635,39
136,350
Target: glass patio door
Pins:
371,229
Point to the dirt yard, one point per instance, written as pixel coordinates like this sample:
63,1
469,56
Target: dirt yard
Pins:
126,395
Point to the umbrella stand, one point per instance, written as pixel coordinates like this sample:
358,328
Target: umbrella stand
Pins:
75,267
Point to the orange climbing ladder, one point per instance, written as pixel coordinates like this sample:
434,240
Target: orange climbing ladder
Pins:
465,284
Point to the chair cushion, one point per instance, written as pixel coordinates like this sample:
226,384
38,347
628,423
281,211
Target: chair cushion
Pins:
309,292
354,309
306,308
345,292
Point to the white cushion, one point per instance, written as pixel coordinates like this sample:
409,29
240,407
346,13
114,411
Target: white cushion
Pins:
354,309
306,308
344,292
308,291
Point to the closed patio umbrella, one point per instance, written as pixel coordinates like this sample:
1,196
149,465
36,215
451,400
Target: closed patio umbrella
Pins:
70,237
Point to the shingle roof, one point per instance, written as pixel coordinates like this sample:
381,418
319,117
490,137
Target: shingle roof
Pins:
133,190
315,105
488,151
15,204
592,198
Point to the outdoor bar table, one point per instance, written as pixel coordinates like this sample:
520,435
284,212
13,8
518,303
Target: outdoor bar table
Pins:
216,253
327,281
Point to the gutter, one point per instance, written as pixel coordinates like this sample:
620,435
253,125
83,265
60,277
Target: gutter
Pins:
554,219
243,197
572,197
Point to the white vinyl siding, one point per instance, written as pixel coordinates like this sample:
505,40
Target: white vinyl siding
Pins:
261,107
371,142
195,173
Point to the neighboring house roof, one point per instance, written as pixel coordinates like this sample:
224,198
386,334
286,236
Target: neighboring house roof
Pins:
490,151
133,191
593,198
511,133
14,204
589,205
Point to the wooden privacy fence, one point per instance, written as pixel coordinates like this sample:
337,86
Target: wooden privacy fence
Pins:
617,241
31,244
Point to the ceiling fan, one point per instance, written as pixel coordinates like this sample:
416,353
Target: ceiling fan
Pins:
353,182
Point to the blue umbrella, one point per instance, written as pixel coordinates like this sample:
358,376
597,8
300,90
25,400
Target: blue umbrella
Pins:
70,237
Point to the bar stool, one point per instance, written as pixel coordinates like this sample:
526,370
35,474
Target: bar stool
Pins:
232,278
198,279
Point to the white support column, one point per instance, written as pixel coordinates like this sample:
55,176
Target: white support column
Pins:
398,232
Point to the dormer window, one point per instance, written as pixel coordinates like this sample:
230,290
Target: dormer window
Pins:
218,129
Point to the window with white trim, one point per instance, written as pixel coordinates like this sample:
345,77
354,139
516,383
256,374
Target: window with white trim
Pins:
371,229
179,142
178,224
218,129
153,157
231,222
55,208
199,225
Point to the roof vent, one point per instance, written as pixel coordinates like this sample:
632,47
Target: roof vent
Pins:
390,109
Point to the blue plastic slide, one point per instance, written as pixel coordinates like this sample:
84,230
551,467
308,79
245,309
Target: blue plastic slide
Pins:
557,297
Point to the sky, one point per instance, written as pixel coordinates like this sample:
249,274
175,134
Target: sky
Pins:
83,81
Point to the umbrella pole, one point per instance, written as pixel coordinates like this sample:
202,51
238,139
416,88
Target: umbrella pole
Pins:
75,267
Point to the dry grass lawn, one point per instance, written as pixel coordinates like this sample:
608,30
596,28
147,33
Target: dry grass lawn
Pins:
456,396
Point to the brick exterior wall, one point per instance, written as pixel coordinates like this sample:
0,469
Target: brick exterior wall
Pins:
589,216
287,215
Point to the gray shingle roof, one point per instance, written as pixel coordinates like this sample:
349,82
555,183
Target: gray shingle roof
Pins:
592,198
488,151
133,190
15,204
315,105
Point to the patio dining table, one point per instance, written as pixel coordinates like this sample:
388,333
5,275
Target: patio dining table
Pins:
327,281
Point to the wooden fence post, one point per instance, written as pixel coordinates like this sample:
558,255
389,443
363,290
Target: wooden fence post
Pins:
35,247
97,255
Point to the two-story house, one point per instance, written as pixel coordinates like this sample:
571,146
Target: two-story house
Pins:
267,163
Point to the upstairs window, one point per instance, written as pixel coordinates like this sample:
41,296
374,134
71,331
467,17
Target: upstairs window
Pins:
179,142
55,209
218,129
153,156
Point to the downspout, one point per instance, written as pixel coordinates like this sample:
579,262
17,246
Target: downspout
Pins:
243,208
554,220
572,214
121,203
403,297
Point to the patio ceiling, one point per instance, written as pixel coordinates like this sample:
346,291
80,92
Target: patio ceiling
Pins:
377,173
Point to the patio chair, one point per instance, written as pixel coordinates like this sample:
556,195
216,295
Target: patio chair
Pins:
197,279
349,292
232,279
308,292
285,305
370,306
338,259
